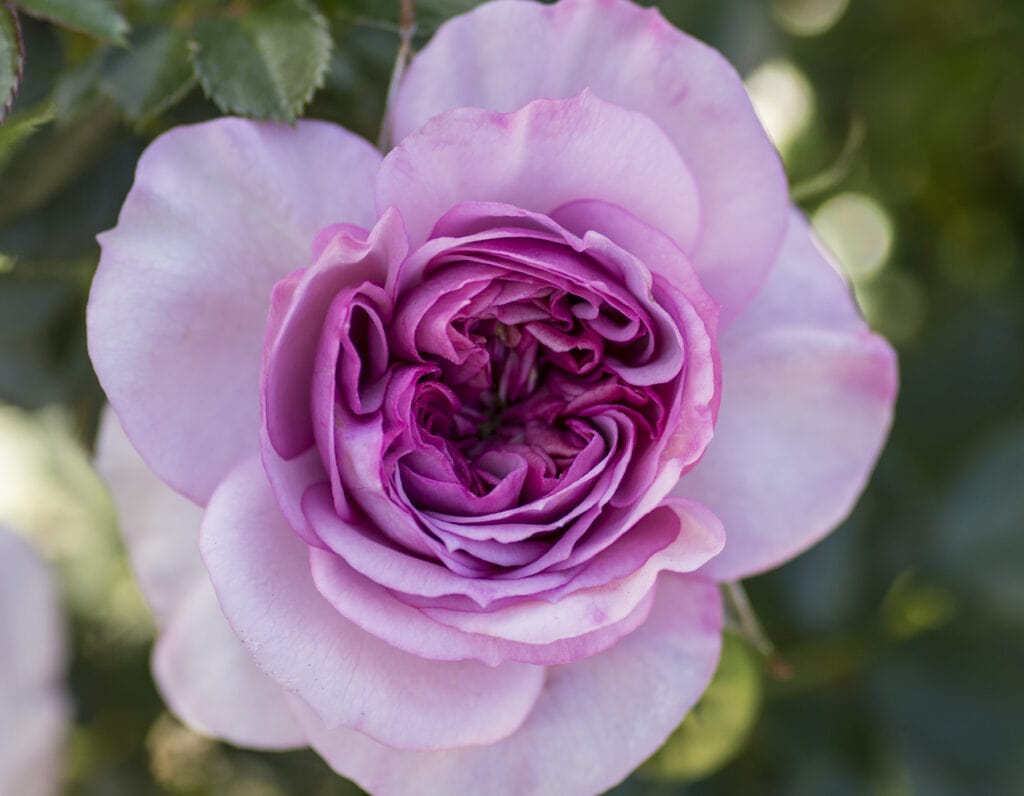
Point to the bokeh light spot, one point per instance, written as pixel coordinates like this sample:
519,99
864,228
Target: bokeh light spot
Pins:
783,99
808,17
858,231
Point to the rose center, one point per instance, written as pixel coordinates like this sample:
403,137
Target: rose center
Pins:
522,392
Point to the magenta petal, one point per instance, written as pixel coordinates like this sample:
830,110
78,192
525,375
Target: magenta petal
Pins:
503,55
806,407
598,718
599,602
652,247
260,571
298,312
371,555
218,213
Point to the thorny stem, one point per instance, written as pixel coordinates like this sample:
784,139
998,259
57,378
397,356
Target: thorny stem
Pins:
749,626
406,30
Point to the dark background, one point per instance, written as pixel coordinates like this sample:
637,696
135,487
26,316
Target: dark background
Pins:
900,653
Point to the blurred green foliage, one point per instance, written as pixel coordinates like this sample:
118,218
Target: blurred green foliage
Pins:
902,128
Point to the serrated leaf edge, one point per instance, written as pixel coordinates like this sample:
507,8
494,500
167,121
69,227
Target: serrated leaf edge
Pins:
193,49
320,21
119,38
292,111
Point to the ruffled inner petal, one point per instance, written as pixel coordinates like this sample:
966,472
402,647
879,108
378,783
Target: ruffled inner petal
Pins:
497,417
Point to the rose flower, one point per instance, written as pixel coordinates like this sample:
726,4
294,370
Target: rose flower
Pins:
477,427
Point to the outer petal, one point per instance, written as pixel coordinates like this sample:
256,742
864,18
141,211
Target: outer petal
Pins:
260,570
33,709
218,213
598,718
212,683
159,526
804,289
201,667
504,54
547,154
807,403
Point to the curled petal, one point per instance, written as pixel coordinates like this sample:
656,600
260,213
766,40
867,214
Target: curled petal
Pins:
298,311
581,616
260,571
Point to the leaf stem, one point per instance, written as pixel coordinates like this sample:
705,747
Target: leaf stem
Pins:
749,626
406,31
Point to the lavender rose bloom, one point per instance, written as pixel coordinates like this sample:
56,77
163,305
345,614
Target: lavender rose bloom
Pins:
476,428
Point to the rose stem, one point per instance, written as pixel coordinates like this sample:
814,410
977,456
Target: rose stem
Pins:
406,30
749,626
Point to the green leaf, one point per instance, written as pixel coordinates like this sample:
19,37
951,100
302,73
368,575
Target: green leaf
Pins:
99,18
12,59
374,13
717,728
265,63
431,13
21,126
152,76
50,161
76,88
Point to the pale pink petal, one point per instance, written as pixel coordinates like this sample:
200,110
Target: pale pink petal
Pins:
804,288
539,158
596,720
212,683
31,622
807,402
33,706
218,213
384,615
33,730
160,527
260,570
505,54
